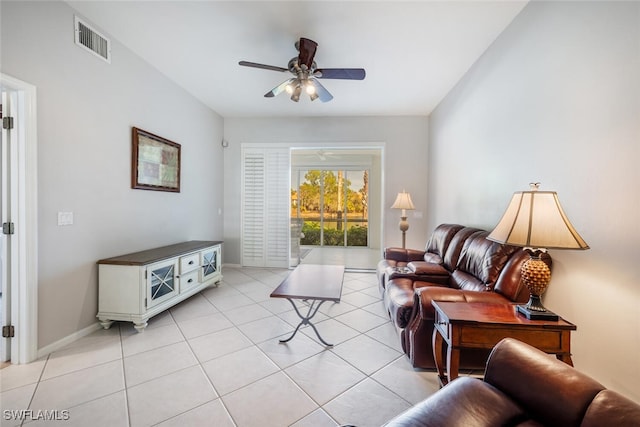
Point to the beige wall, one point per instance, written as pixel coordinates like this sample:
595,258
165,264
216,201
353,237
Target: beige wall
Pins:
556,99
86,109
405,153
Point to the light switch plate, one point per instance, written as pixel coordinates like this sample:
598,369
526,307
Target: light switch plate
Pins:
65,218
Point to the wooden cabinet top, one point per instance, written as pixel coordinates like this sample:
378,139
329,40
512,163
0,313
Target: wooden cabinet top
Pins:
158,254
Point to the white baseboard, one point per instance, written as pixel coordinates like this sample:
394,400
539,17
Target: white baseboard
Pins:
44,351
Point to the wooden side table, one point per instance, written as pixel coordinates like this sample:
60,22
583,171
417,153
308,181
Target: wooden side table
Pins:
482,325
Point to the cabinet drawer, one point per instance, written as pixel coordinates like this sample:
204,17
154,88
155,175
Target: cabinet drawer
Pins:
188,280
189,262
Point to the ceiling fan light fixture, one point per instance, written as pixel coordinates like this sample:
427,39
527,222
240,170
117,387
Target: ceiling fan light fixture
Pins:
310,88
296,93
305,74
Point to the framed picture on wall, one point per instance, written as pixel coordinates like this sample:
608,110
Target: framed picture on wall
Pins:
155,163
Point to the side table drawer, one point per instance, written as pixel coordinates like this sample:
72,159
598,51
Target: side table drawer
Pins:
443,326
545,340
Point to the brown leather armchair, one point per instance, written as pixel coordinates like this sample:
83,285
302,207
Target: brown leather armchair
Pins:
522,386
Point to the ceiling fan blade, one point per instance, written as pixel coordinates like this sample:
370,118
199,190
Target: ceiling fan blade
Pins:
279,89
307,50
340,73
321,91
263,66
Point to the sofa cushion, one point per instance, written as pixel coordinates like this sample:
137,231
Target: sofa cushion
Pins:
432,258
451,256
439,242
424,297
480,263
465,401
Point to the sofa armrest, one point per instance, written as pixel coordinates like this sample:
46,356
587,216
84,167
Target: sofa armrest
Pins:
552,391
404,255
611,408
465,401
427,268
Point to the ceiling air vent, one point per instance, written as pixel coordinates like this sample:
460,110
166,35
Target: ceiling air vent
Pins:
90,39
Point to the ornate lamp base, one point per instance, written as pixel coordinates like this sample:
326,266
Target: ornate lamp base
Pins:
535,314
536,276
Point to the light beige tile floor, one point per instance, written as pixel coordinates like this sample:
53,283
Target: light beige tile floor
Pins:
215,360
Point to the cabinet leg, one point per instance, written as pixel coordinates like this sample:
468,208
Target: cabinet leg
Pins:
140,326
106,323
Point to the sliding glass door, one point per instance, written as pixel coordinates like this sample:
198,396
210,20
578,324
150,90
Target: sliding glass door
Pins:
331,206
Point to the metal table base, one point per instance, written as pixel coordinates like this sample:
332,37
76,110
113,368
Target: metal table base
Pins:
306,320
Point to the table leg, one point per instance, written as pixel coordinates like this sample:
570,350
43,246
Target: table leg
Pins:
437,344
564,357
453,362
306,320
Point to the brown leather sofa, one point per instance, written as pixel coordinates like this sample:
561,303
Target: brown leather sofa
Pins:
458,264
522,386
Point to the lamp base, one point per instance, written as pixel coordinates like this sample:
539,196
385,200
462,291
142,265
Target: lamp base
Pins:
535,314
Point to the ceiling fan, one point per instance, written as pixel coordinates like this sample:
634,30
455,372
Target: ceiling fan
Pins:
306,74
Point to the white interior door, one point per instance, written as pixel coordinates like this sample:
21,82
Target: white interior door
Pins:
19,177
8,195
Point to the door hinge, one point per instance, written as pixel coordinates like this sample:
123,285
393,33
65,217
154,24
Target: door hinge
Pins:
7,123
8,228
8,331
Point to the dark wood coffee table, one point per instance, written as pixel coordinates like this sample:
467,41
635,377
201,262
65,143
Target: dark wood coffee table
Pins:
315,283
482,325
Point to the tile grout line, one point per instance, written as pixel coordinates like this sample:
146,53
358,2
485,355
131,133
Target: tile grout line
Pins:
124,378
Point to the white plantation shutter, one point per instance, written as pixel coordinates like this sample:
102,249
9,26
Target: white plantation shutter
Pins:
265,207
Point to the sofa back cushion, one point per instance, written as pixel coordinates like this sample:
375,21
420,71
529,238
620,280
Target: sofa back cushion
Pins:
456,244
480,263
439,242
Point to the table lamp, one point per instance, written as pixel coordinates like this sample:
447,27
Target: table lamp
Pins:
403,201
535,221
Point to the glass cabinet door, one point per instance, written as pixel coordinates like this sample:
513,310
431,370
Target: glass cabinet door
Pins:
162,282
210,263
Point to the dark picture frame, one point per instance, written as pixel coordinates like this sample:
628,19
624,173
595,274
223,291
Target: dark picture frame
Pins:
155,162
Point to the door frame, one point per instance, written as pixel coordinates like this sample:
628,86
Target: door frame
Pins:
24,292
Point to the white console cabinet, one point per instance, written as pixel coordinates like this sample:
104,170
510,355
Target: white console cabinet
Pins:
135,287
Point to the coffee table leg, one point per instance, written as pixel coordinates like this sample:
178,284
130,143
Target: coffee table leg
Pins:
306,320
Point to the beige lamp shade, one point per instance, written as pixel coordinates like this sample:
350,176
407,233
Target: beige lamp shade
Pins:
403,201
535,219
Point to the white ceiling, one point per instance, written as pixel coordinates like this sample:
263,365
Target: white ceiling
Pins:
413,52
